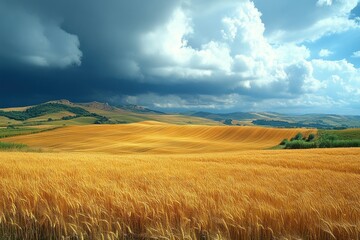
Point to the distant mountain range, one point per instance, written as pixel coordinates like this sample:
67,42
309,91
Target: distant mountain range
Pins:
64,112
321,121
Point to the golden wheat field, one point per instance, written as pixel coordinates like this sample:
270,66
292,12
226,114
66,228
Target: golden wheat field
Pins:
155,137
82,190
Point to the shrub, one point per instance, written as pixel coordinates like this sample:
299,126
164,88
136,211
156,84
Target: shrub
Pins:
300,144
339,143
283,142
228,122
9,146
311,137
298,136
328,137
69,117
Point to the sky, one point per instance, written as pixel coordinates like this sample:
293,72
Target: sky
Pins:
183,55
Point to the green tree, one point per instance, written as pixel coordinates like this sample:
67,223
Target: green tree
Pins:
298,136
311,137
228,122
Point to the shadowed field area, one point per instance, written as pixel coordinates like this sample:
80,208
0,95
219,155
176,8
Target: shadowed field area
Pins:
155,137
296,194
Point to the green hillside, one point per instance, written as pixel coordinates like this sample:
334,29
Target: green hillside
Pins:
65,113
346,134
43,109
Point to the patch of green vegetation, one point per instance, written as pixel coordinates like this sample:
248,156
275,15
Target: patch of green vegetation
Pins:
43,109
15,131
335,139
347,134
300,144
4,121
339,143
51,116
73,121
325,139
12,130
5,146
228,121
81,116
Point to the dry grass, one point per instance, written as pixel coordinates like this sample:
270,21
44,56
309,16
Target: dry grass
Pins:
222,190
155,137
14,109
297,194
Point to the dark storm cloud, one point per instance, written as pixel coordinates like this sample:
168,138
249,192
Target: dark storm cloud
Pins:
41,41
82,49
32,85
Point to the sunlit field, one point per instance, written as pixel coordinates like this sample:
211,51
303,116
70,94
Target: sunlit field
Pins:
155,137
82,190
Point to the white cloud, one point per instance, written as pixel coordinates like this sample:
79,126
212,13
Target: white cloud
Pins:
185,101
304,103
306,20
342,66
169,43
292,53
244,56
322,27
239,55
341,77
324,3
325,53
356,54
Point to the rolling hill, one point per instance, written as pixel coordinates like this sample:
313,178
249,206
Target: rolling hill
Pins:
320,121
64,112
155,137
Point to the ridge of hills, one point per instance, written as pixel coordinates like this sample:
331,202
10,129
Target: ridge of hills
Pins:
64,112
272,119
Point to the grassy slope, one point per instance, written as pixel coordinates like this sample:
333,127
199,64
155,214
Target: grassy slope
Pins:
4,146
20,109
130,117
347,134
5,132
4,121
118,115
54,116
9,132
320,120
115,115
73,122
183,120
